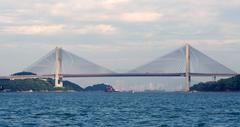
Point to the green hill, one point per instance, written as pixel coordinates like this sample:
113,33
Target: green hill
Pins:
26,85
100,87
24,73
230,84
36,85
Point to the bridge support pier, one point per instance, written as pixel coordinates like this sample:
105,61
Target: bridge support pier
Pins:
187,74
215,78
188,83
58,72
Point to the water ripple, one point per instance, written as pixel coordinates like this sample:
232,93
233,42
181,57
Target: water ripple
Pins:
120,109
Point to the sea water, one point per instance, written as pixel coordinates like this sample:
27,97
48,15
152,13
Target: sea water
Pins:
158,109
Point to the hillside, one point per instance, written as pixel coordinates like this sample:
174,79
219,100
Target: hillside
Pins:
27,85
230,84
35,85
100,87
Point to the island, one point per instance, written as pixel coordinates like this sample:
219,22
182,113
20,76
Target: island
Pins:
46,85
222,85
100,87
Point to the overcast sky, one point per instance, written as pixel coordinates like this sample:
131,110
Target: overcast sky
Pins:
117,34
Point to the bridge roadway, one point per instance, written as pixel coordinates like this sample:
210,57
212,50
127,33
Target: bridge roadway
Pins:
120,75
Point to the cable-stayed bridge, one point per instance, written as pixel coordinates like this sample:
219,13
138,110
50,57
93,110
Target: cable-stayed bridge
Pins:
185,62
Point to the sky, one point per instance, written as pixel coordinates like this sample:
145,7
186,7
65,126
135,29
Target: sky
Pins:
117,34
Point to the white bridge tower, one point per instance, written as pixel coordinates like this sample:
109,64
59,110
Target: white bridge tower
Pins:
58,73
187,74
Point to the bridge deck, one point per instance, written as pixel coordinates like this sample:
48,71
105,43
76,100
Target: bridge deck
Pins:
120,75
144,75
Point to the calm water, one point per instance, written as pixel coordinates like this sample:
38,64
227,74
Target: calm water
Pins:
120,109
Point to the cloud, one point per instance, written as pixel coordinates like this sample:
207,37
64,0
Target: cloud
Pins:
140,16
73,8
230,30
115,1
210,42
34,29
112,4
7,19
200,17
97,29
59,29
59,9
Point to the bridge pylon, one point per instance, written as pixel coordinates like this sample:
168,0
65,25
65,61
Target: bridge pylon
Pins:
58,72
188,65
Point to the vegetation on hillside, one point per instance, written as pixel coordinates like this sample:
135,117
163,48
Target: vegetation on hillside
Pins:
36,85
230,84
23,73
27,85
100,87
